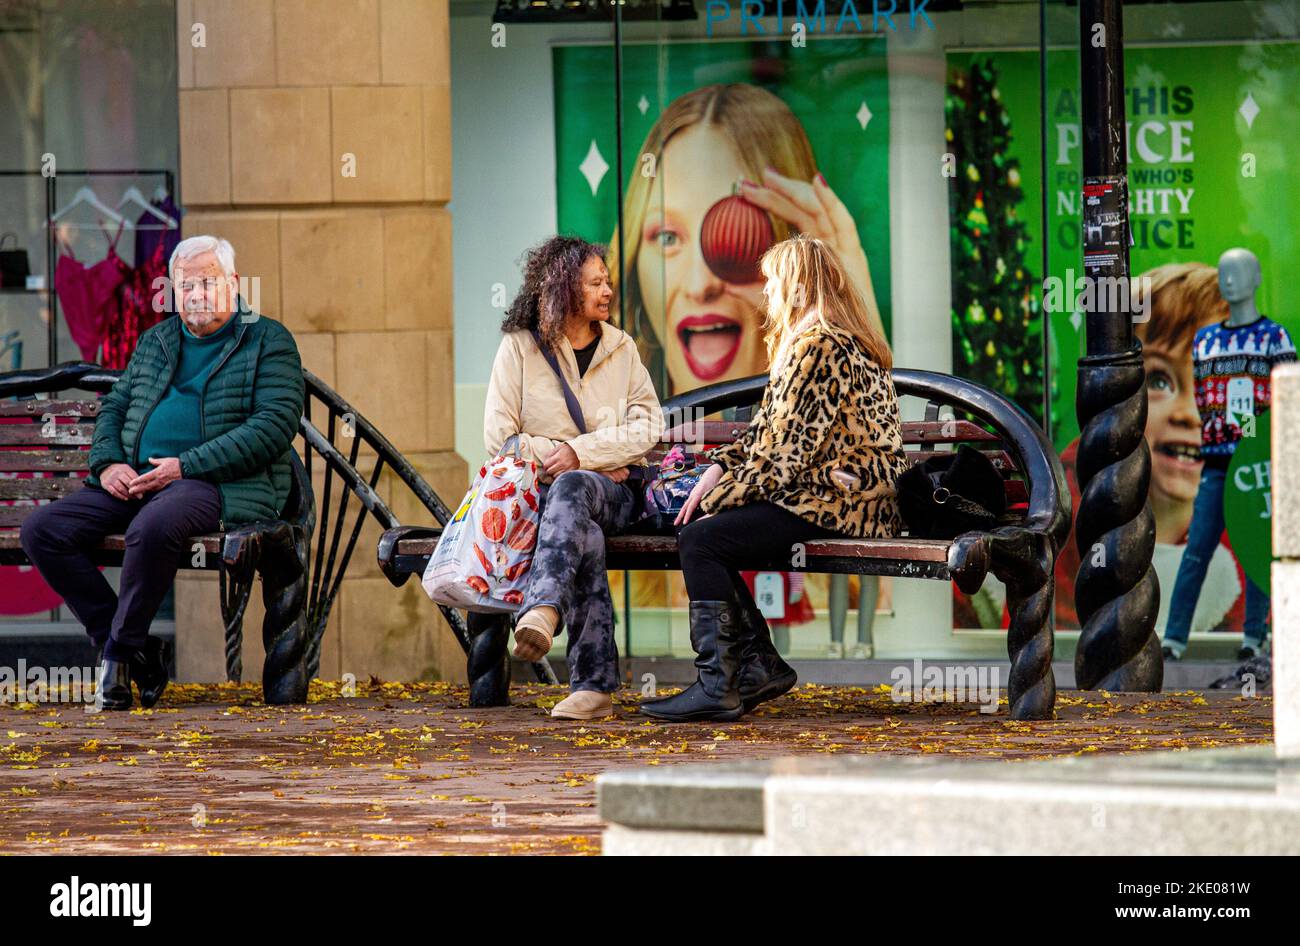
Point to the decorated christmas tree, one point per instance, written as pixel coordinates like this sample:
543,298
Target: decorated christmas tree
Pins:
997,322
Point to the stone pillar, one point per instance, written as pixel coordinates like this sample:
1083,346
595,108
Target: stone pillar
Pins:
316,137
1285,454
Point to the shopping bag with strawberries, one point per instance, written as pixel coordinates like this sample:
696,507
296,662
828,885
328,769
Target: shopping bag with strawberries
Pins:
482,560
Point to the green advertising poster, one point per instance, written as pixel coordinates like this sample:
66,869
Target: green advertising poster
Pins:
1248,502
1209,132
725,110
696,118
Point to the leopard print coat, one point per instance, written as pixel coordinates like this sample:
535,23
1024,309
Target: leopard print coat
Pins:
832,408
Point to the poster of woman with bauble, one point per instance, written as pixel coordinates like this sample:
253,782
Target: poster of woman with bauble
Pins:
736,173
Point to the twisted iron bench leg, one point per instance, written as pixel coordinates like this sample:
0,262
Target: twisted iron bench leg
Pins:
235,586
487,664
1023,560
285,630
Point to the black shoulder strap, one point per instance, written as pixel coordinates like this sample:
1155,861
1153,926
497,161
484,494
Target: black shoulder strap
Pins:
570,400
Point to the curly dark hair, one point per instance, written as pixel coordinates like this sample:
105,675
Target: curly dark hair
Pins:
552,287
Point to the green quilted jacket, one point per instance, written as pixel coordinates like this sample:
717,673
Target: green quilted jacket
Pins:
252,401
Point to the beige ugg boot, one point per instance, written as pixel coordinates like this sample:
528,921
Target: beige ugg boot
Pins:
584,704
534,633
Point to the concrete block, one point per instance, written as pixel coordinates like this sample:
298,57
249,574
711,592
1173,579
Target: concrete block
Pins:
205,146
327,42
388,632
239,43
317,351
332,274
414,47
1286,657
441,391
437,142
417,268
383,375
1285,454
184,46
281,153
379,127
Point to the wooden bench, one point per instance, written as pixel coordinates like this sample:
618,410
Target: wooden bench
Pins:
1021,553
44,445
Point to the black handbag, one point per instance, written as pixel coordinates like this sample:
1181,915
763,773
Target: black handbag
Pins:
14,266
946,495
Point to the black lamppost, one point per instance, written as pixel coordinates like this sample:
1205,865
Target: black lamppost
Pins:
1117,594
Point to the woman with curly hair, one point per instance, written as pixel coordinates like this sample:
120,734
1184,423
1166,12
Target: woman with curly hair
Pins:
559,321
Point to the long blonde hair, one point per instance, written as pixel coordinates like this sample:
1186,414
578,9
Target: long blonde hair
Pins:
762,129
815,286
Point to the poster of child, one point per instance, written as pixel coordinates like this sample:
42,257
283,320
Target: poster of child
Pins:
1183,298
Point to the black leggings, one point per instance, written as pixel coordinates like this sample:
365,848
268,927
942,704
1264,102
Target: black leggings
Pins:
713,548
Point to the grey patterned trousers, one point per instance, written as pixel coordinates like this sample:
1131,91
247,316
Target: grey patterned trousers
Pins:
580,509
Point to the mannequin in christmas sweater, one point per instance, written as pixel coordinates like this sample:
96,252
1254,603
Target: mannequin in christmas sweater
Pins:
1233,362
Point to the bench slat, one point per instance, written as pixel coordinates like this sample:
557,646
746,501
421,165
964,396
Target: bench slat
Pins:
913,431
44,488
1002,461
921,550
34,435
705,431
13,516
25,461
42,408
945,431
904,558
110,549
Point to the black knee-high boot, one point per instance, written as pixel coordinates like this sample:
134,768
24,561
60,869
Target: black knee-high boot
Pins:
763,674
715,635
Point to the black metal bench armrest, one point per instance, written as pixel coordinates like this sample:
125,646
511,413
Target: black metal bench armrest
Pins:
387,550
68,374
245,546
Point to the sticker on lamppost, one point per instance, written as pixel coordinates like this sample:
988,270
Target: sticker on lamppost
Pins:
1248,502
1105,200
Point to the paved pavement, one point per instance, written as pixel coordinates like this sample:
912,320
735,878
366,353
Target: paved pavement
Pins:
406,768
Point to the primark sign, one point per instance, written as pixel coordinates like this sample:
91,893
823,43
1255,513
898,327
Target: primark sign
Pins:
862,16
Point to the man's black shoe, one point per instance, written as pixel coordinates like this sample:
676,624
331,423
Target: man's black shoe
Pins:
113,685
149,672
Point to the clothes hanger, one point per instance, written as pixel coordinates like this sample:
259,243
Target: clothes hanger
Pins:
133,196
12,342
85,195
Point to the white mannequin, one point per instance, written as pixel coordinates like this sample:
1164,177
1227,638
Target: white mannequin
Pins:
1239,277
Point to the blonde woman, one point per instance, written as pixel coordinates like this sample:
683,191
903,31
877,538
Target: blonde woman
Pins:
821,459
702,327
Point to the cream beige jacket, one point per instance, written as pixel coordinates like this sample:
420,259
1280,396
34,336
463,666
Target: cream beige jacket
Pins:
624,419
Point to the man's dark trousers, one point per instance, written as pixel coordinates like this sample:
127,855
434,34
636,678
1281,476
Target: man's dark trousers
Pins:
157,525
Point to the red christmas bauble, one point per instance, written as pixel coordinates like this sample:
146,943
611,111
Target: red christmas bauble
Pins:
733,238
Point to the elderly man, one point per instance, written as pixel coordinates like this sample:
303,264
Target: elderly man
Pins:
194,437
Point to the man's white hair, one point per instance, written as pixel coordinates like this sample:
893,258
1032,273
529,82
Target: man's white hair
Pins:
198,245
